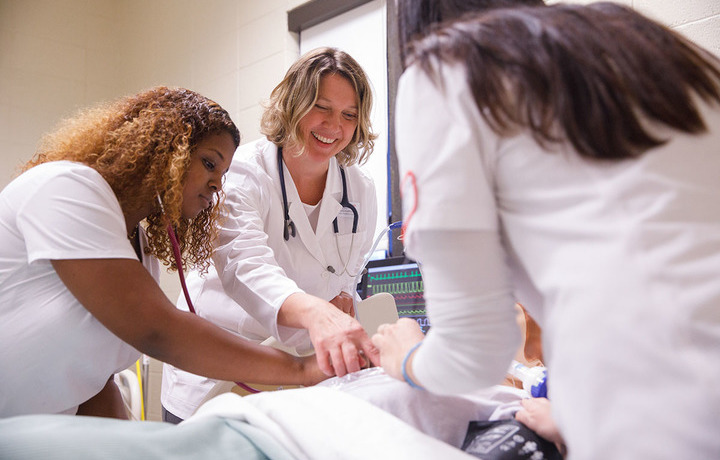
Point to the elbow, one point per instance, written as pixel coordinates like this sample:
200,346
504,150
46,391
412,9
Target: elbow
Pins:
159,338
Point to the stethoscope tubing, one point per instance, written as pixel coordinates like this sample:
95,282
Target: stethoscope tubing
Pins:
289,226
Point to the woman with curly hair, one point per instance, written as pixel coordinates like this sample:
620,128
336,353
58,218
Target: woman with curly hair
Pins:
81,232
289,251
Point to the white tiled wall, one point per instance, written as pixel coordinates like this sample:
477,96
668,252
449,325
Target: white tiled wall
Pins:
59,55
698,20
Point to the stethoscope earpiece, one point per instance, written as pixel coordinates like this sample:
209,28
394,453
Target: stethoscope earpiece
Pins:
289,229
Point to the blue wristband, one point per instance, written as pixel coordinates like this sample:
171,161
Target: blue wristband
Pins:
405,375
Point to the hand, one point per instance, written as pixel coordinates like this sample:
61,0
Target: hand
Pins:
341,344
345,303
536,415
394,341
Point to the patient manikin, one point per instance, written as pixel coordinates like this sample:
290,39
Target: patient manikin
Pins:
443,417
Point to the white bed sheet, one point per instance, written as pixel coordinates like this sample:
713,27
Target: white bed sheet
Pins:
344,419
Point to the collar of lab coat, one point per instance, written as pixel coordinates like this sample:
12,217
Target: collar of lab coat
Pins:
329,207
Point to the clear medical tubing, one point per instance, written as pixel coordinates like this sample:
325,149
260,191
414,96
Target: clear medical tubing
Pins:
392,226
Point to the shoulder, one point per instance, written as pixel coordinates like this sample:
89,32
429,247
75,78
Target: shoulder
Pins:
357,172
443,78
70,169
65,178
252,163
359,180
251,149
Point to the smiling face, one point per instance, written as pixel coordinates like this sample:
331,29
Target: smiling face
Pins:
330,124
208,164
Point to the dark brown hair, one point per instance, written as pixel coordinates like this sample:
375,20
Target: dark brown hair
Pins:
416,18
596,75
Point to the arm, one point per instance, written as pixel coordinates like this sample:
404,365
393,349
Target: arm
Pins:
252,276
122,295
338,338
450,215
244,259
107,403
474,334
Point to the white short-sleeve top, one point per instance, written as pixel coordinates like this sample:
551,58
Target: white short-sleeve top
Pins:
54,354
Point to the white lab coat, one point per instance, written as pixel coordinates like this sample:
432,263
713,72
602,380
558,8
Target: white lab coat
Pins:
619,262
255,269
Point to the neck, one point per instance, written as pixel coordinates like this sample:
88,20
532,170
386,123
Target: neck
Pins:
308,176
133,218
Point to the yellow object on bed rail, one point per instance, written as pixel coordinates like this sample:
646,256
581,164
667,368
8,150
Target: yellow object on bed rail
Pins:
139,377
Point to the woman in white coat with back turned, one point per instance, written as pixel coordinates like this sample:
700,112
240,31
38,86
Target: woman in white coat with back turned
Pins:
571,151
301,218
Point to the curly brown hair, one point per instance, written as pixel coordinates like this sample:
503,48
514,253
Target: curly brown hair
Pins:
142,145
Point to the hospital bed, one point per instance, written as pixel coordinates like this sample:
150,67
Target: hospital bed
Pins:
366,415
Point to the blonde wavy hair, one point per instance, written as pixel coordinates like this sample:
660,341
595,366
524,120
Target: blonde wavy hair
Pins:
293,98
142,145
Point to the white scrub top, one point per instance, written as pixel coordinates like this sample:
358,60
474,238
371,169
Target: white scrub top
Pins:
255,269
619,261
54,354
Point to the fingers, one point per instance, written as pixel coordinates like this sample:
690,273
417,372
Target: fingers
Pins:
523,416
338,353
324,362
338,362
344,358
370,350
351,357
393,341
341,344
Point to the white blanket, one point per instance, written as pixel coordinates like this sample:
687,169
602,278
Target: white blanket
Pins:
325,423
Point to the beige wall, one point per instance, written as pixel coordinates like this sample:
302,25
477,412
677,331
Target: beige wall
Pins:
59,55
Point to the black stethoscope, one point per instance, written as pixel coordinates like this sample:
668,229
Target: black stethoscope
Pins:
289,226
